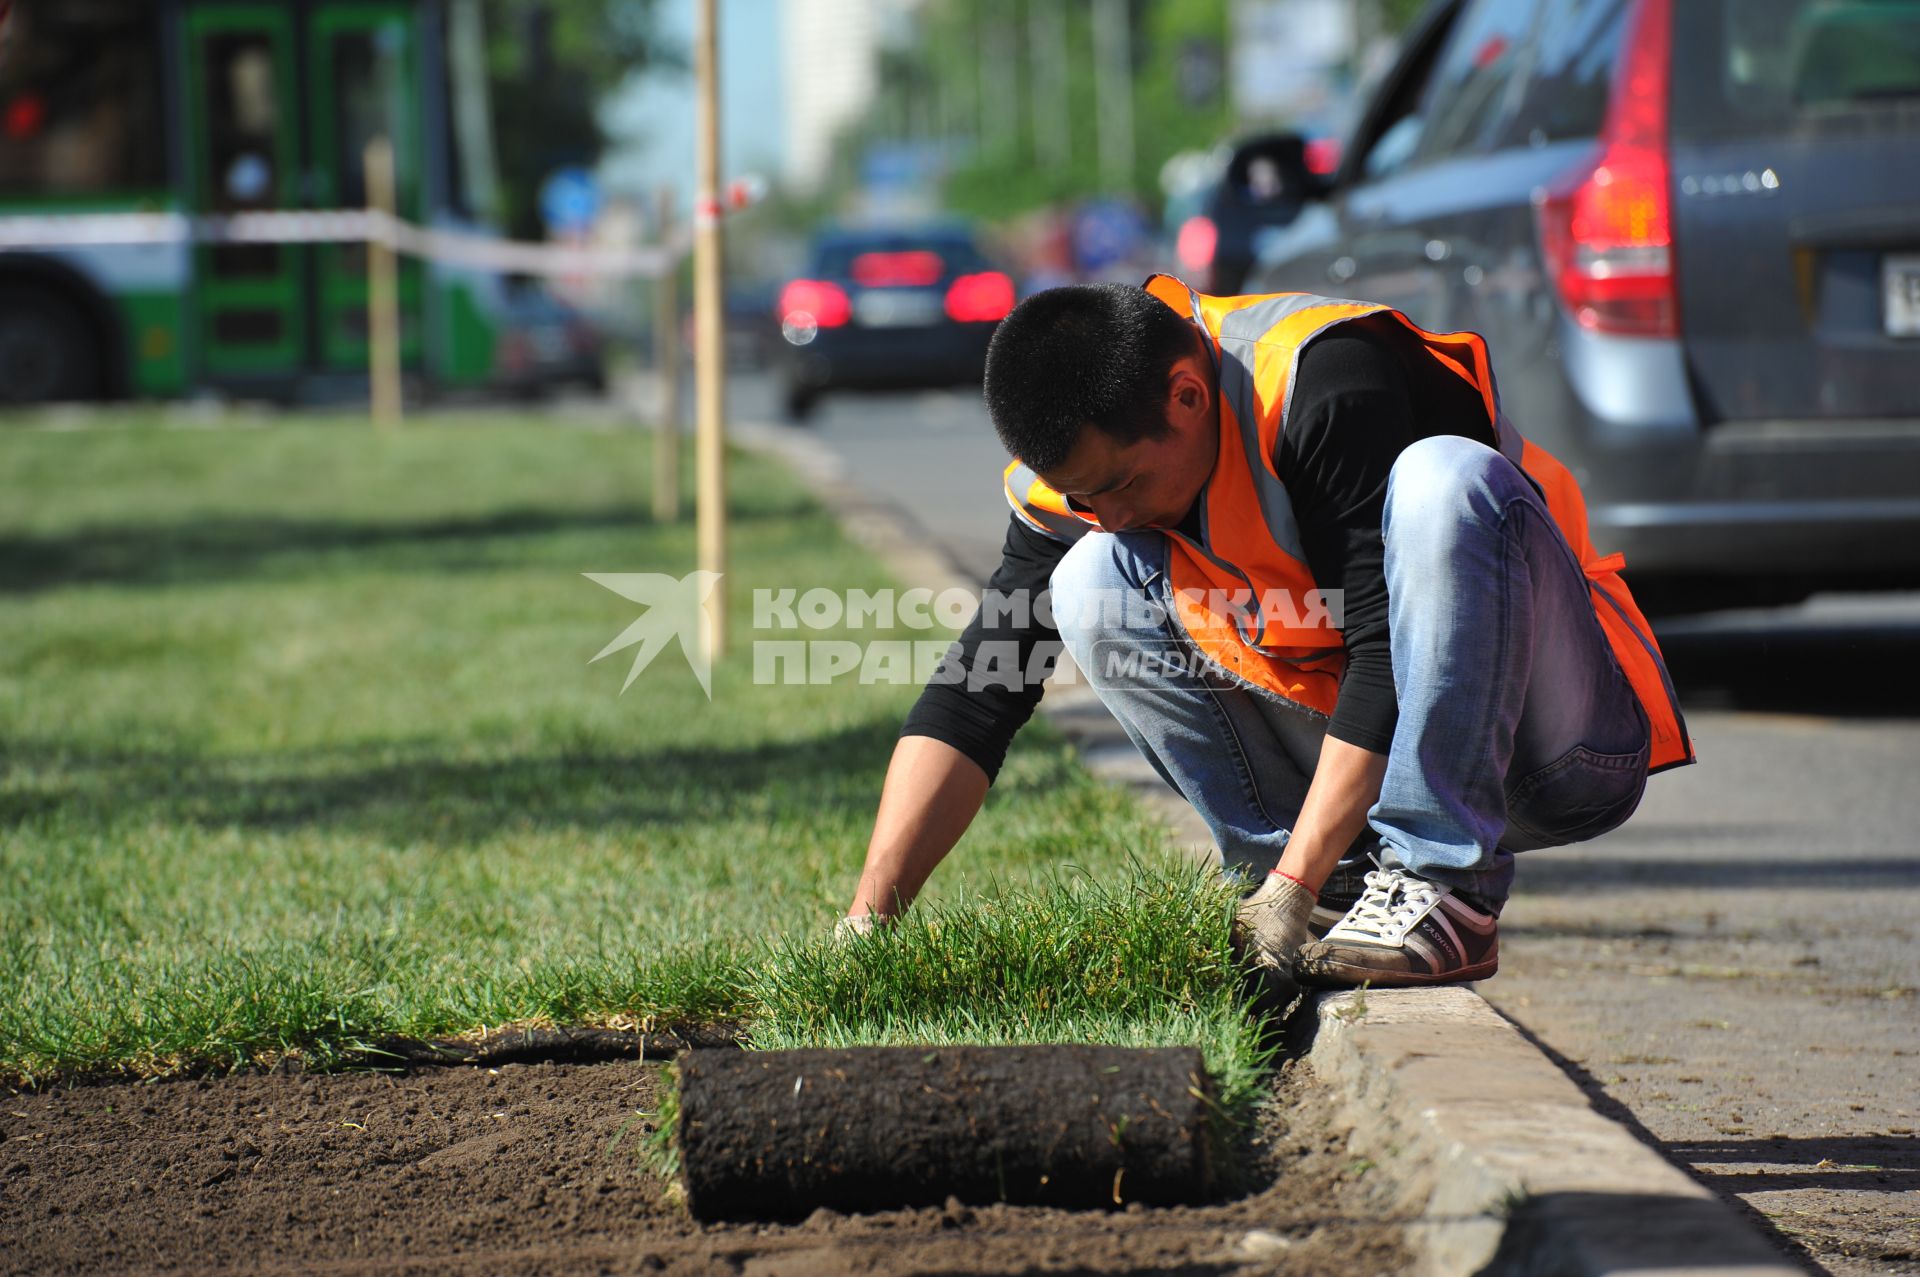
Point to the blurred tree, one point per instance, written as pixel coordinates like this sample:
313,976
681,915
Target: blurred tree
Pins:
1181,99
550,63
1006,89
1399,14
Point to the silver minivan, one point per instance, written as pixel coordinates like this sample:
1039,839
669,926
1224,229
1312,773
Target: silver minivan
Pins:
1690,232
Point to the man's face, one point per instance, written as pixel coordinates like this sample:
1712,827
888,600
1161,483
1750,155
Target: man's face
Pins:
1150,483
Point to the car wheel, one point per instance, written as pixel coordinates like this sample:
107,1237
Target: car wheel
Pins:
801,403
48,351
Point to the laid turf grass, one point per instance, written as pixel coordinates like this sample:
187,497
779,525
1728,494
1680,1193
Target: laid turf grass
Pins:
300,747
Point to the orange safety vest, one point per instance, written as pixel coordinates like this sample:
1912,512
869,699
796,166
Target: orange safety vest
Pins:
1249,550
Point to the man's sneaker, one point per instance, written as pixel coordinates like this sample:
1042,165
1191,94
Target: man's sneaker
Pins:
1404,930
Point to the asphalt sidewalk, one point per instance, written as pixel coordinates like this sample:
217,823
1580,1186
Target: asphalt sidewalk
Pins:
1497,1150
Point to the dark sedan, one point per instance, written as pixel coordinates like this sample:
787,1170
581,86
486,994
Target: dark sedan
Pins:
889,309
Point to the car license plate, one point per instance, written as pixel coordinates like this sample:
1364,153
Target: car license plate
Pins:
897,307
1900,281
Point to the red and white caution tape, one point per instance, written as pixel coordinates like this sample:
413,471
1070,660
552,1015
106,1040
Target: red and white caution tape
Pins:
344,226
738,194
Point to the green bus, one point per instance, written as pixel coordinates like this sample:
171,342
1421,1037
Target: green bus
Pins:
207,107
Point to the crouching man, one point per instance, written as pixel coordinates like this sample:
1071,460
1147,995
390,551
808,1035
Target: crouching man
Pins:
1333,596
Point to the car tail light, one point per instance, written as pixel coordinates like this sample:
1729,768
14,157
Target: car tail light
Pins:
1322,155
980,299
1606,229
916,269
1195,244
26,115
815,302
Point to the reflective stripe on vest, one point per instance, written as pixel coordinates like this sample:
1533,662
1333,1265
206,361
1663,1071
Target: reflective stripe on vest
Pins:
1040,507
1243,590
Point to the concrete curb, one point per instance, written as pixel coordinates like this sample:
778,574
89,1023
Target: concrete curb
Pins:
1504,1163
1499,1159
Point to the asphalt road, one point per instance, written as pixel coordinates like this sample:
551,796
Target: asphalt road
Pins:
1733,973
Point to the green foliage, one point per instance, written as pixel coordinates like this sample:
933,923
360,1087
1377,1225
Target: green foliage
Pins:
1397,15
549,64
963,49
1167,122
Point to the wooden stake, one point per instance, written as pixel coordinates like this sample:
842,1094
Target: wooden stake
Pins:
709,350
666,363
383,291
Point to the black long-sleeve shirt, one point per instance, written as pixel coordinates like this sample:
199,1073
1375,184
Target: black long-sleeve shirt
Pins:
1363,391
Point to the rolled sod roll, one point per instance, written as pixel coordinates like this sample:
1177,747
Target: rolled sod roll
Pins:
777,1134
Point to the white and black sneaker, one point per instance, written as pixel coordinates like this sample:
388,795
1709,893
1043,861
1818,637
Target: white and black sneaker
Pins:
1341,891
1404,930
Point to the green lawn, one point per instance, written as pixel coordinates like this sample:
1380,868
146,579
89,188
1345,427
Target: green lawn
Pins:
300,746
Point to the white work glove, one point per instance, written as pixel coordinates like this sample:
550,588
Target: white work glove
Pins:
855,925
1272,922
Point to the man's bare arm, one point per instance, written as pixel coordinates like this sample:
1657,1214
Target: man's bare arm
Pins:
932,793
1346,784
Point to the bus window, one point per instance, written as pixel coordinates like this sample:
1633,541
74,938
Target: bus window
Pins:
243,117
240,139
80,99
243,125
365,85
366,68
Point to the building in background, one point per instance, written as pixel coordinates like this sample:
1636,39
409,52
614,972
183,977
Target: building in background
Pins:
830,58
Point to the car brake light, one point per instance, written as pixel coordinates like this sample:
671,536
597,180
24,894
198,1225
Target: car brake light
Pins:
25,116
898,270
1195,244
815,302
980,299
1322,155
1606,228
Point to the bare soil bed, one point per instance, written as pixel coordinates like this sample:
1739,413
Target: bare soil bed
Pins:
538,1168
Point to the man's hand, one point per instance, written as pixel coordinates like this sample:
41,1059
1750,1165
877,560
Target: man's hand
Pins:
1273,921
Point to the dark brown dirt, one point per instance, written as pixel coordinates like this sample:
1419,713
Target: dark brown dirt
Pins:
875,1128
537,1168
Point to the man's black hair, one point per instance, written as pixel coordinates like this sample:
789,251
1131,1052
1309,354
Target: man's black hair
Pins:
1087,354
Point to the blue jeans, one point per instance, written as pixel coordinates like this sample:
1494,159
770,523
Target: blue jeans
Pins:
1517,728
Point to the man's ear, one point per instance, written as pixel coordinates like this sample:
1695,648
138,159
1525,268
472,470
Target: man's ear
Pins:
1188,393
